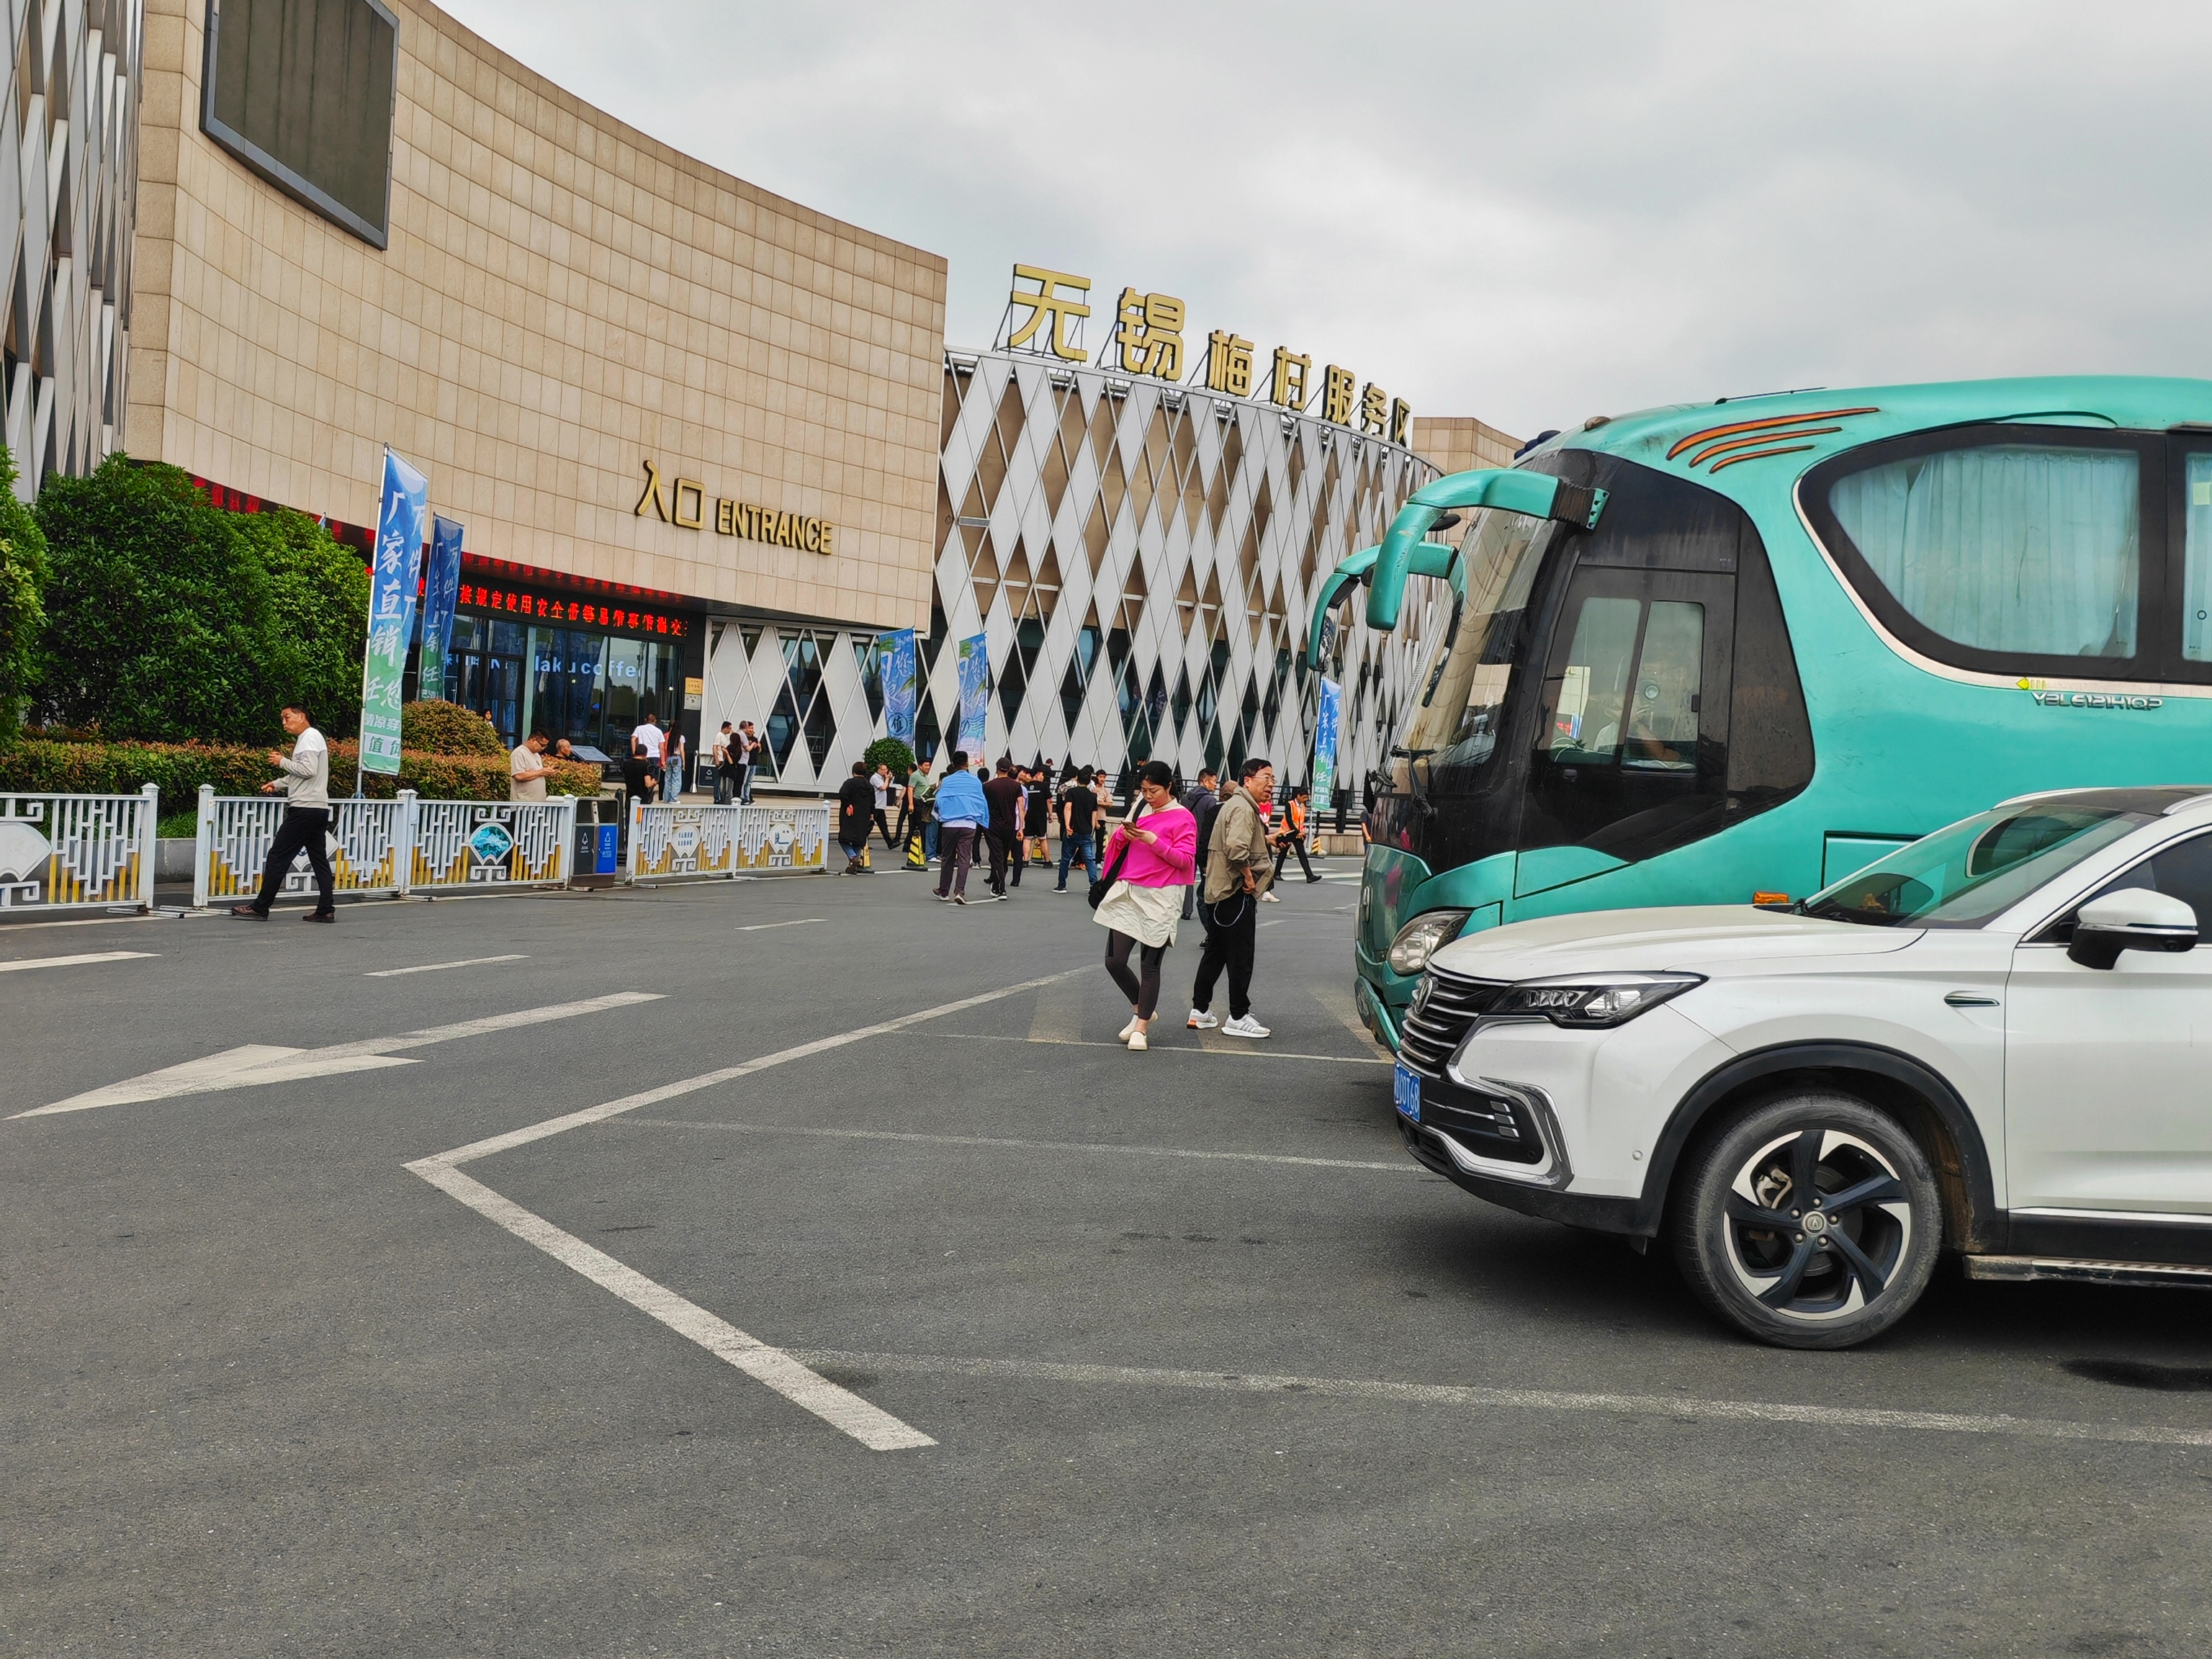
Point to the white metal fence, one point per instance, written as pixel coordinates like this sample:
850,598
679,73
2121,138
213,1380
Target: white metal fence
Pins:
77,852
388,847
673,840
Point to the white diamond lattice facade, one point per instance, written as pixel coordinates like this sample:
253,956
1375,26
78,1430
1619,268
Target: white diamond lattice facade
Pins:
1142,559
69,176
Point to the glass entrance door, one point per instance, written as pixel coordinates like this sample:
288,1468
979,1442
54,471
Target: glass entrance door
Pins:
491,683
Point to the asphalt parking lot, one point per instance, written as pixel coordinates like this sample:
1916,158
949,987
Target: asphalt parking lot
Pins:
833,1284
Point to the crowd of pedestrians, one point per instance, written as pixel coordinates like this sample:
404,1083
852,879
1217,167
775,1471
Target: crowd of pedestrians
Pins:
1212,855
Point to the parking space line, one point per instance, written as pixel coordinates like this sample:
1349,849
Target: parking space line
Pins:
1255,1052
1404,1166
437,967
75,961
877,1430
1543,1400
841,1409
763,927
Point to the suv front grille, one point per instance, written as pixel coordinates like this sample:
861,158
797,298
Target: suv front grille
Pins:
1445,1007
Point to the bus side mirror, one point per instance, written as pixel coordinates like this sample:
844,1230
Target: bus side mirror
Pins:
2133,919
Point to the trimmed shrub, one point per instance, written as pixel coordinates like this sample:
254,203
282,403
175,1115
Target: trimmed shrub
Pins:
177,769
170,620
447,728
889,751
23,575
317,620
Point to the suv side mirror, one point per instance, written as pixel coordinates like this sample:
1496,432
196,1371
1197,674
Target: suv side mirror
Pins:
2133,919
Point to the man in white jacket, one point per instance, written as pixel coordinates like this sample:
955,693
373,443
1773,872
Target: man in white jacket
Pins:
306,786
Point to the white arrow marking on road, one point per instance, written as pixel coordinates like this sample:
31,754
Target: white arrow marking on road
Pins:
71,962
258,1063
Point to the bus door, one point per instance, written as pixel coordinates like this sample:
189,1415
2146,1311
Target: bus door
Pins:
1631,750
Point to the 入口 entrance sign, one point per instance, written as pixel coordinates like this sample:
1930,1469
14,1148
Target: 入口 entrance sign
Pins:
683,503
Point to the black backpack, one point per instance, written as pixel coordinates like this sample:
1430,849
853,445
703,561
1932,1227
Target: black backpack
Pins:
1206,814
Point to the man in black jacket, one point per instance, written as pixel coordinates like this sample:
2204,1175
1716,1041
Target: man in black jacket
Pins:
856,807
1003,797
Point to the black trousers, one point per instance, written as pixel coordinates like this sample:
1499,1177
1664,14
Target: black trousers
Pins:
1002,844
889,845
1283,854
302,830
1142,990
1230,935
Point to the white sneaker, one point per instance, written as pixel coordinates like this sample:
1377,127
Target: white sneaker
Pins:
1199,1020
1246,1027
1137,1043
1126,1032
1269,899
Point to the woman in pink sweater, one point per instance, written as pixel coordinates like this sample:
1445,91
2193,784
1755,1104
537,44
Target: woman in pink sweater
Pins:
1153,850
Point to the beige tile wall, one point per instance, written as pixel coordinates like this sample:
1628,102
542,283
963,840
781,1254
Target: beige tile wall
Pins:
1459,443
563,298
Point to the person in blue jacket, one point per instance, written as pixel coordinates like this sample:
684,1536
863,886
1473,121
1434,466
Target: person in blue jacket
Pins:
961,812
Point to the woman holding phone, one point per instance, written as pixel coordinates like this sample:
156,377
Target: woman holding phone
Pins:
1148,865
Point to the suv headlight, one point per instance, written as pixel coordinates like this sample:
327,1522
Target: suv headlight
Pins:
1591,1001
1419,939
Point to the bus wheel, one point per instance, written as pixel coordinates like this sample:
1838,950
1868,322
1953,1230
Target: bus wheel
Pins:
1812,1222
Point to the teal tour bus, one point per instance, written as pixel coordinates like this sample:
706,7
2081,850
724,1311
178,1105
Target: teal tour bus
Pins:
1732,652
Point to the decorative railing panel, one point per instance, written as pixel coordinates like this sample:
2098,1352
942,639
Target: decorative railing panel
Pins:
77,852
479,843
673,840
366,841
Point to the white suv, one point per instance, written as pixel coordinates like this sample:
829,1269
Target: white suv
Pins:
1997,1041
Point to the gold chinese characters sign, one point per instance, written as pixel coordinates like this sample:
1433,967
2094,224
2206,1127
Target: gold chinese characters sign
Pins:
1148,341
683,503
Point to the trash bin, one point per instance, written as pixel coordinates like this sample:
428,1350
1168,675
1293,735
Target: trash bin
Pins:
599,843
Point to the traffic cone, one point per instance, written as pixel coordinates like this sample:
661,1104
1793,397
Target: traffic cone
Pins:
916,858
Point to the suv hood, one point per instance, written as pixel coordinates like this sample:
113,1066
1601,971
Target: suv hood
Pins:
1700,939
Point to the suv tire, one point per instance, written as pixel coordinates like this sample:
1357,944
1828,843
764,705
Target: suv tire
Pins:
1799,1274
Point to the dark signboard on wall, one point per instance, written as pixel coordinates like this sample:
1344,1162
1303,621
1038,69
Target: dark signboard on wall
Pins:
301,91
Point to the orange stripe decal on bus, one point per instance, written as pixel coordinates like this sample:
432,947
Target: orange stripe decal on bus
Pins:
1756,455
1696,438
1760,438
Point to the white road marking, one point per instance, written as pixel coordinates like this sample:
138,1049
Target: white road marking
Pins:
1252,1052
258,1063
78,961
1273,921
763,927
841,1409
1406,1166
837,1407
1546,1400
437,967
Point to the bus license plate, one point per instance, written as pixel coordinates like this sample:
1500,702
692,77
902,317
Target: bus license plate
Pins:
1406,1087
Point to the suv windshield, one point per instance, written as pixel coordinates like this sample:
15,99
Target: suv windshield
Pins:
1962,876
1455,729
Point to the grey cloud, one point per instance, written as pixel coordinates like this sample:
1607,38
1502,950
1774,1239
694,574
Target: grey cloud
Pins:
1527,213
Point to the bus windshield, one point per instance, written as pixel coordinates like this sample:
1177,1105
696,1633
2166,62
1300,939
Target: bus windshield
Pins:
1453,732
1962,876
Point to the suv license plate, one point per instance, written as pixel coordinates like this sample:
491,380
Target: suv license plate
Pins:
1406,1092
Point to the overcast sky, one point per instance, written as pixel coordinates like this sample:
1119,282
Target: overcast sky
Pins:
1529,213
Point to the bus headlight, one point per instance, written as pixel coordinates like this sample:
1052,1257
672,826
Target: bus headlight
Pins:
1418,940
1590,1001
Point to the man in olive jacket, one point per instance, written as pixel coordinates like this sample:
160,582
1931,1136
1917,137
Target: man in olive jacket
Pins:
1238,869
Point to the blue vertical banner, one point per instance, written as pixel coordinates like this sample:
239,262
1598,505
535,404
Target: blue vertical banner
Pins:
974,695
1324,765
441,587
391,585
898,662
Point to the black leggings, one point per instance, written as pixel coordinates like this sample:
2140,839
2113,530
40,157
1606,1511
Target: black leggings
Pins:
1145,991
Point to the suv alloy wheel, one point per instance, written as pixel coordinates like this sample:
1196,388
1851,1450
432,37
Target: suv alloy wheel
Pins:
1811,1222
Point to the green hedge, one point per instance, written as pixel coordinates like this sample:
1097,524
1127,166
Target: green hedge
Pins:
49,765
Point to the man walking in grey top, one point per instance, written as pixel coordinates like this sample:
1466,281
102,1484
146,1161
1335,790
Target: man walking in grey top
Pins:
306,786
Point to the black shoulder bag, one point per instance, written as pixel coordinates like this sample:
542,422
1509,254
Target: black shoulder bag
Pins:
1104,884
